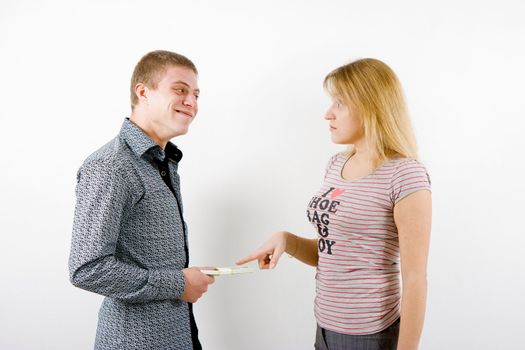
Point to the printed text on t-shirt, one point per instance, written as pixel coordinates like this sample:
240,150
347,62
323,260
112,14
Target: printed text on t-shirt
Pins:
318,213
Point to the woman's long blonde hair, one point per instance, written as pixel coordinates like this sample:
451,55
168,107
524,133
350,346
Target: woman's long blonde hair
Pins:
374,91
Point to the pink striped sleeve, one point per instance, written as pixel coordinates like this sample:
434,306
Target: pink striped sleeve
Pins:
330,164
410,176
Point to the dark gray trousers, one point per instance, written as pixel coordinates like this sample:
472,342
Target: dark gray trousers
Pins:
384,340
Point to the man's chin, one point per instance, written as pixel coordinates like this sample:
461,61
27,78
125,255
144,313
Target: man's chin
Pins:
179,132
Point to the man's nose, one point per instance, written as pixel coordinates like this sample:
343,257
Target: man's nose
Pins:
190,101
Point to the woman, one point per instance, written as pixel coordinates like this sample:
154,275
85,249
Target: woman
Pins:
372,216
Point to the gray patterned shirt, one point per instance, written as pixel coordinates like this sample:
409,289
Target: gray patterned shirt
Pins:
129,244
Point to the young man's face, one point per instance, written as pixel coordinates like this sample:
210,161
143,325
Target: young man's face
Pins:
172,106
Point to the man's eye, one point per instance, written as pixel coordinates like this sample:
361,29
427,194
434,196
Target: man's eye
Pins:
180,91
196,97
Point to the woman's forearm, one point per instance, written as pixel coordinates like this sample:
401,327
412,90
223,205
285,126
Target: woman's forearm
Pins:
303,249
413,303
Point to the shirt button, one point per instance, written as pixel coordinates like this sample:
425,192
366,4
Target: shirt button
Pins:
162,173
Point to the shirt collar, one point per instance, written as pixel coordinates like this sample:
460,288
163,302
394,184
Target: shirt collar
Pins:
140,143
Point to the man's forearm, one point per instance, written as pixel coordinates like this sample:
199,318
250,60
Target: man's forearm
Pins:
113,278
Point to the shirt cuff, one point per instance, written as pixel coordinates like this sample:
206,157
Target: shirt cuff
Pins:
169,283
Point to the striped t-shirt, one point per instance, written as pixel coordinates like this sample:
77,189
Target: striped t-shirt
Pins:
358,279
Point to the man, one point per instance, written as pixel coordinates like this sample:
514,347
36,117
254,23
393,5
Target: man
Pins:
129,237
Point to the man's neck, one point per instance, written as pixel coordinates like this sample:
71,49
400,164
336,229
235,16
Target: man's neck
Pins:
142,123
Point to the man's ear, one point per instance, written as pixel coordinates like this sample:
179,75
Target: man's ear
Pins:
141,91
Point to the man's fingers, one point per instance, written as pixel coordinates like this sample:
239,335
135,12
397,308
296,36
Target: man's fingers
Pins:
209,279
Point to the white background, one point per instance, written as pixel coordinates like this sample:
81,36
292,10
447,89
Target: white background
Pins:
257,152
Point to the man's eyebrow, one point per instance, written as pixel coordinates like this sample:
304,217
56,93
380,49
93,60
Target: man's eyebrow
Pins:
185,84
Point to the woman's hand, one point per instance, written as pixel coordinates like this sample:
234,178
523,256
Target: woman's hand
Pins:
269,253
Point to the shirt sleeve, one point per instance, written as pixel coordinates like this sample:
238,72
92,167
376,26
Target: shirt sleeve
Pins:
330,164
104,197
411,176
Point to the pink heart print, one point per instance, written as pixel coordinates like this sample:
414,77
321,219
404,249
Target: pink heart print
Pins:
337,192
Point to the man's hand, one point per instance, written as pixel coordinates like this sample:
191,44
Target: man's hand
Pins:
196,284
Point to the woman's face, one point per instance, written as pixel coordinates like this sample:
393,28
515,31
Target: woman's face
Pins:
344,122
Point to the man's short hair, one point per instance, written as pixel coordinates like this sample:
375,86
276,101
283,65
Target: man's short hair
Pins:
152,66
